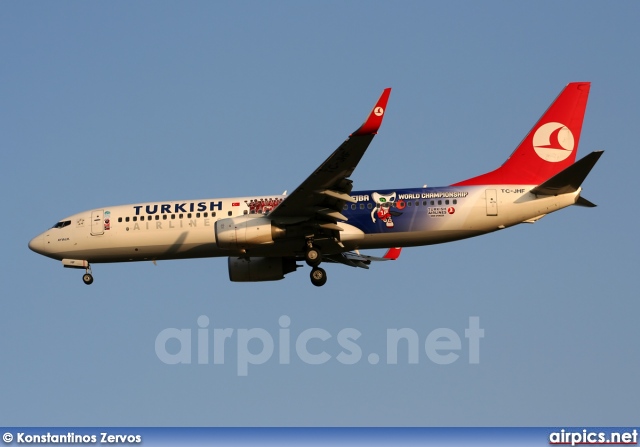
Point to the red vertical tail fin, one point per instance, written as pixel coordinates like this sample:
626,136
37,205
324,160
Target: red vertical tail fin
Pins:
549,147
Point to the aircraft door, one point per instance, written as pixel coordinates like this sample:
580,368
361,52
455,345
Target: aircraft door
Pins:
492,202
97,222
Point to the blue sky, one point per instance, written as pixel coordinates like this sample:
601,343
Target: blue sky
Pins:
113,103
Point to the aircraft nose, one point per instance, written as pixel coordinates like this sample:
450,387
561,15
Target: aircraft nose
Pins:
37,244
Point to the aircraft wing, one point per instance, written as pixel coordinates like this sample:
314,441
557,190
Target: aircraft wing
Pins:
355,259
322,195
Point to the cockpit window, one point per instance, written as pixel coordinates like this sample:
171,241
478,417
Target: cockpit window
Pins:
62,224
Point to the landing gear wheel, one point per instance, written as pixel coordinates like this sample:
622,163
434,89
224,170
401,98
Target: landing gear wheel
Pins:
318,277
87,278
312,256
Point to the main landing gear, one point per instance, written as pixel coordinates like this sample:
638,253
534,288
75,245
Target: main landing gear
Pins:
313,258
318,276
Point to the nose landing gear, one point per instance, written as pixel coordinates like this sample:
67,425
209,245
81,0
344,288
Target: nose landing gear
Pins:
88,277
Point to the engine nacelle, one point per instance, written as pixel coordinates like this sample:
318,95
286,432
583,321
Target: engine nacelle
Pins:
259,269
245,231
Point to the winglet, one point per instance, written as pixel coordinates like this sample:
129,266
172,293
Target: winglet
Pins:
374,120
393,253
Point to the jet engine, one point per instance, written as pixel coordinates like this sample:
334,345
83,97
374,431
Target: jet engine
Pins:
245,231
255,269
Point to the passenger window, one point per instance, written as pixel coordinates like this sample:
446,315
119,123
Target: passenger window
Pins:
126,219
164,217
455,201
119,219
446,202
439,202
229,213
369,206
353,206
362,206
157,217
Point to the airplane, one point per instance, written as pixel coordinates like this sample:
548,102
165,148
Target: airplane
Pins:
324,220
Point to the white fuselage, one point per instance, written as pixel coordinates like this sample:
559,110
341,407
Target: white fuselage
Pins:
185,229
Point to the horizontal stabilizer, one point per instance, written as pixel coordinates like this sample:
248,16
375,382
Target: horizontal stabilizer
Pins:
569,179
584,202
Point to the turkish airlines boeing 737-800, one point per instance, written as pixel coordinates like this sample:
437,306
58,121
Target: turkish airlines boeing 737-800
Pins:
323,220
